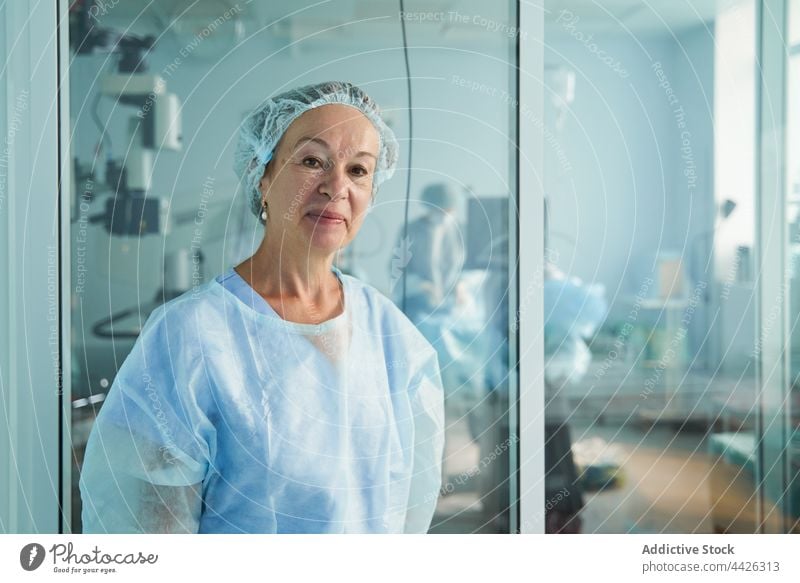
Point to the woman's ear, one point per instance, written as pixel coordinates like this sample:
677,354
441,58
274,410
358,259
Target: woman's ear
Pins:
263,184
263,188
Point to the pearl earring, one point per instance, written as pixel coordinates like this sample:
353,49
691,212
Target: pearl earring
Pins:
264,211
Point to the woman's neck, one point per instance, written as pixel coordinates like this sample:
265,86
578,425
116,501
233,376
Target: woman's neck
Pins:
287,274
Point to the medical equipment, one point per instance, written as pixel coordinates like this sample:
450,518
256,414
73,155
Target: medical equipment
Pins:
183,270
155,126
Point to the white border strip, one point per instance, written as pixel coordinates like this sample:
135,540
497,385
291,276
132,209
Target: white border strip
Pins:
531,253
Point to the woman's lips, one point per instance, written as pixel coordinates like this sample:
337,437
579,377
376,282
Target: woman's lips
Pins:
325,219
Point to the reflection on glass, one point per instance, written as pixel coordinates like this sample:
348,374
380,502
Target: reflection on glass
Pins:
454,287
155,99
649,297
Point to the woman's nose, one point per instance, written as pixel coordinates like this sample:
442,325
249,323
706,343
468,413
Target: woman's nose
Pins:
334,182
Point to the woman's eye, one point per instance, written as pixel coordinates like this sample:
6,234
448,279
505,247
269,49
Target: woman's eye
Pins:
360,171
312,162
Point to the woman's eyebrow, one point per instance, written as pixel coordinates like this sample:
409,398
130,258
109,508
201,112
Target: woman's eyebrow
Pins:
319,141
323,143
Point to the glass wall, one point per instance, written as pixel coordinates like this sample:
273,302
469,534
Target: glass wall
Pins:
789,477
652,410
156,97
32,340
670,293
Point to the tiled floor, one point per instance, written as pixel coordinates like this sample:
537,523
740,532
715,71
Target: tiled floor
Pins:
666,484
664,487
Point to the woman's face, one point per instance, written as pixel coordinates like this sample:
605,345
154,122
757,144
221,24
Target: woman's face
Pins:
318,186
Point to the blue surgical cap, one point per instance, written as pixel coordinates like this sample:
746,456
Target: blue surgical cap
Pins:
263,128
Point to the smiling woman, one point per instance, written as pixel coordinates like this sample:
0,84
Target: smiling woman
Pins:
319,184
270,399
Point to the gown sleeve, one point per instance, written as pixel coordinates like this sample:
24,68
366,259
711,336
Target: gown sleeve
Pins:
152,441
427,406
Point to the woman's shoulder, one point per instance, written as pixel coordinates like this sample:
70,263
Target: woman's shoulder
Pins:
384,314
368,296
185,311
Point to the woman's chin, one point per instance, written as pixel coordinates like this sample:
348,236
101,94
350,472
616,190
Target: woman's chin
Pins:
326,243
325,238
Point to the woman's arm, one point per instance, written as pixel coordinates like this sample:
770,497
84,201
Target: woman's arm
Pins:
129,485
152,442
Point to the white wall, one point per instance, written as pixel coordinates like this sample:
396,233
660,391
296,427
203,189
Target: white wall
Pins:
735,175
609,208
734,109
625,197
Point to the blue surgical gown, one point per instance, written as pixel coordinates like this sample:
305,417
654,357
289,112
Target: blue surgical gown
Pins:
226,418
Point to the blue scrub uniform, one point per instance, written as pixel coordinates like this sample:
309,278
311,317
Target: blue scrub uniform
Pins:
227,418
